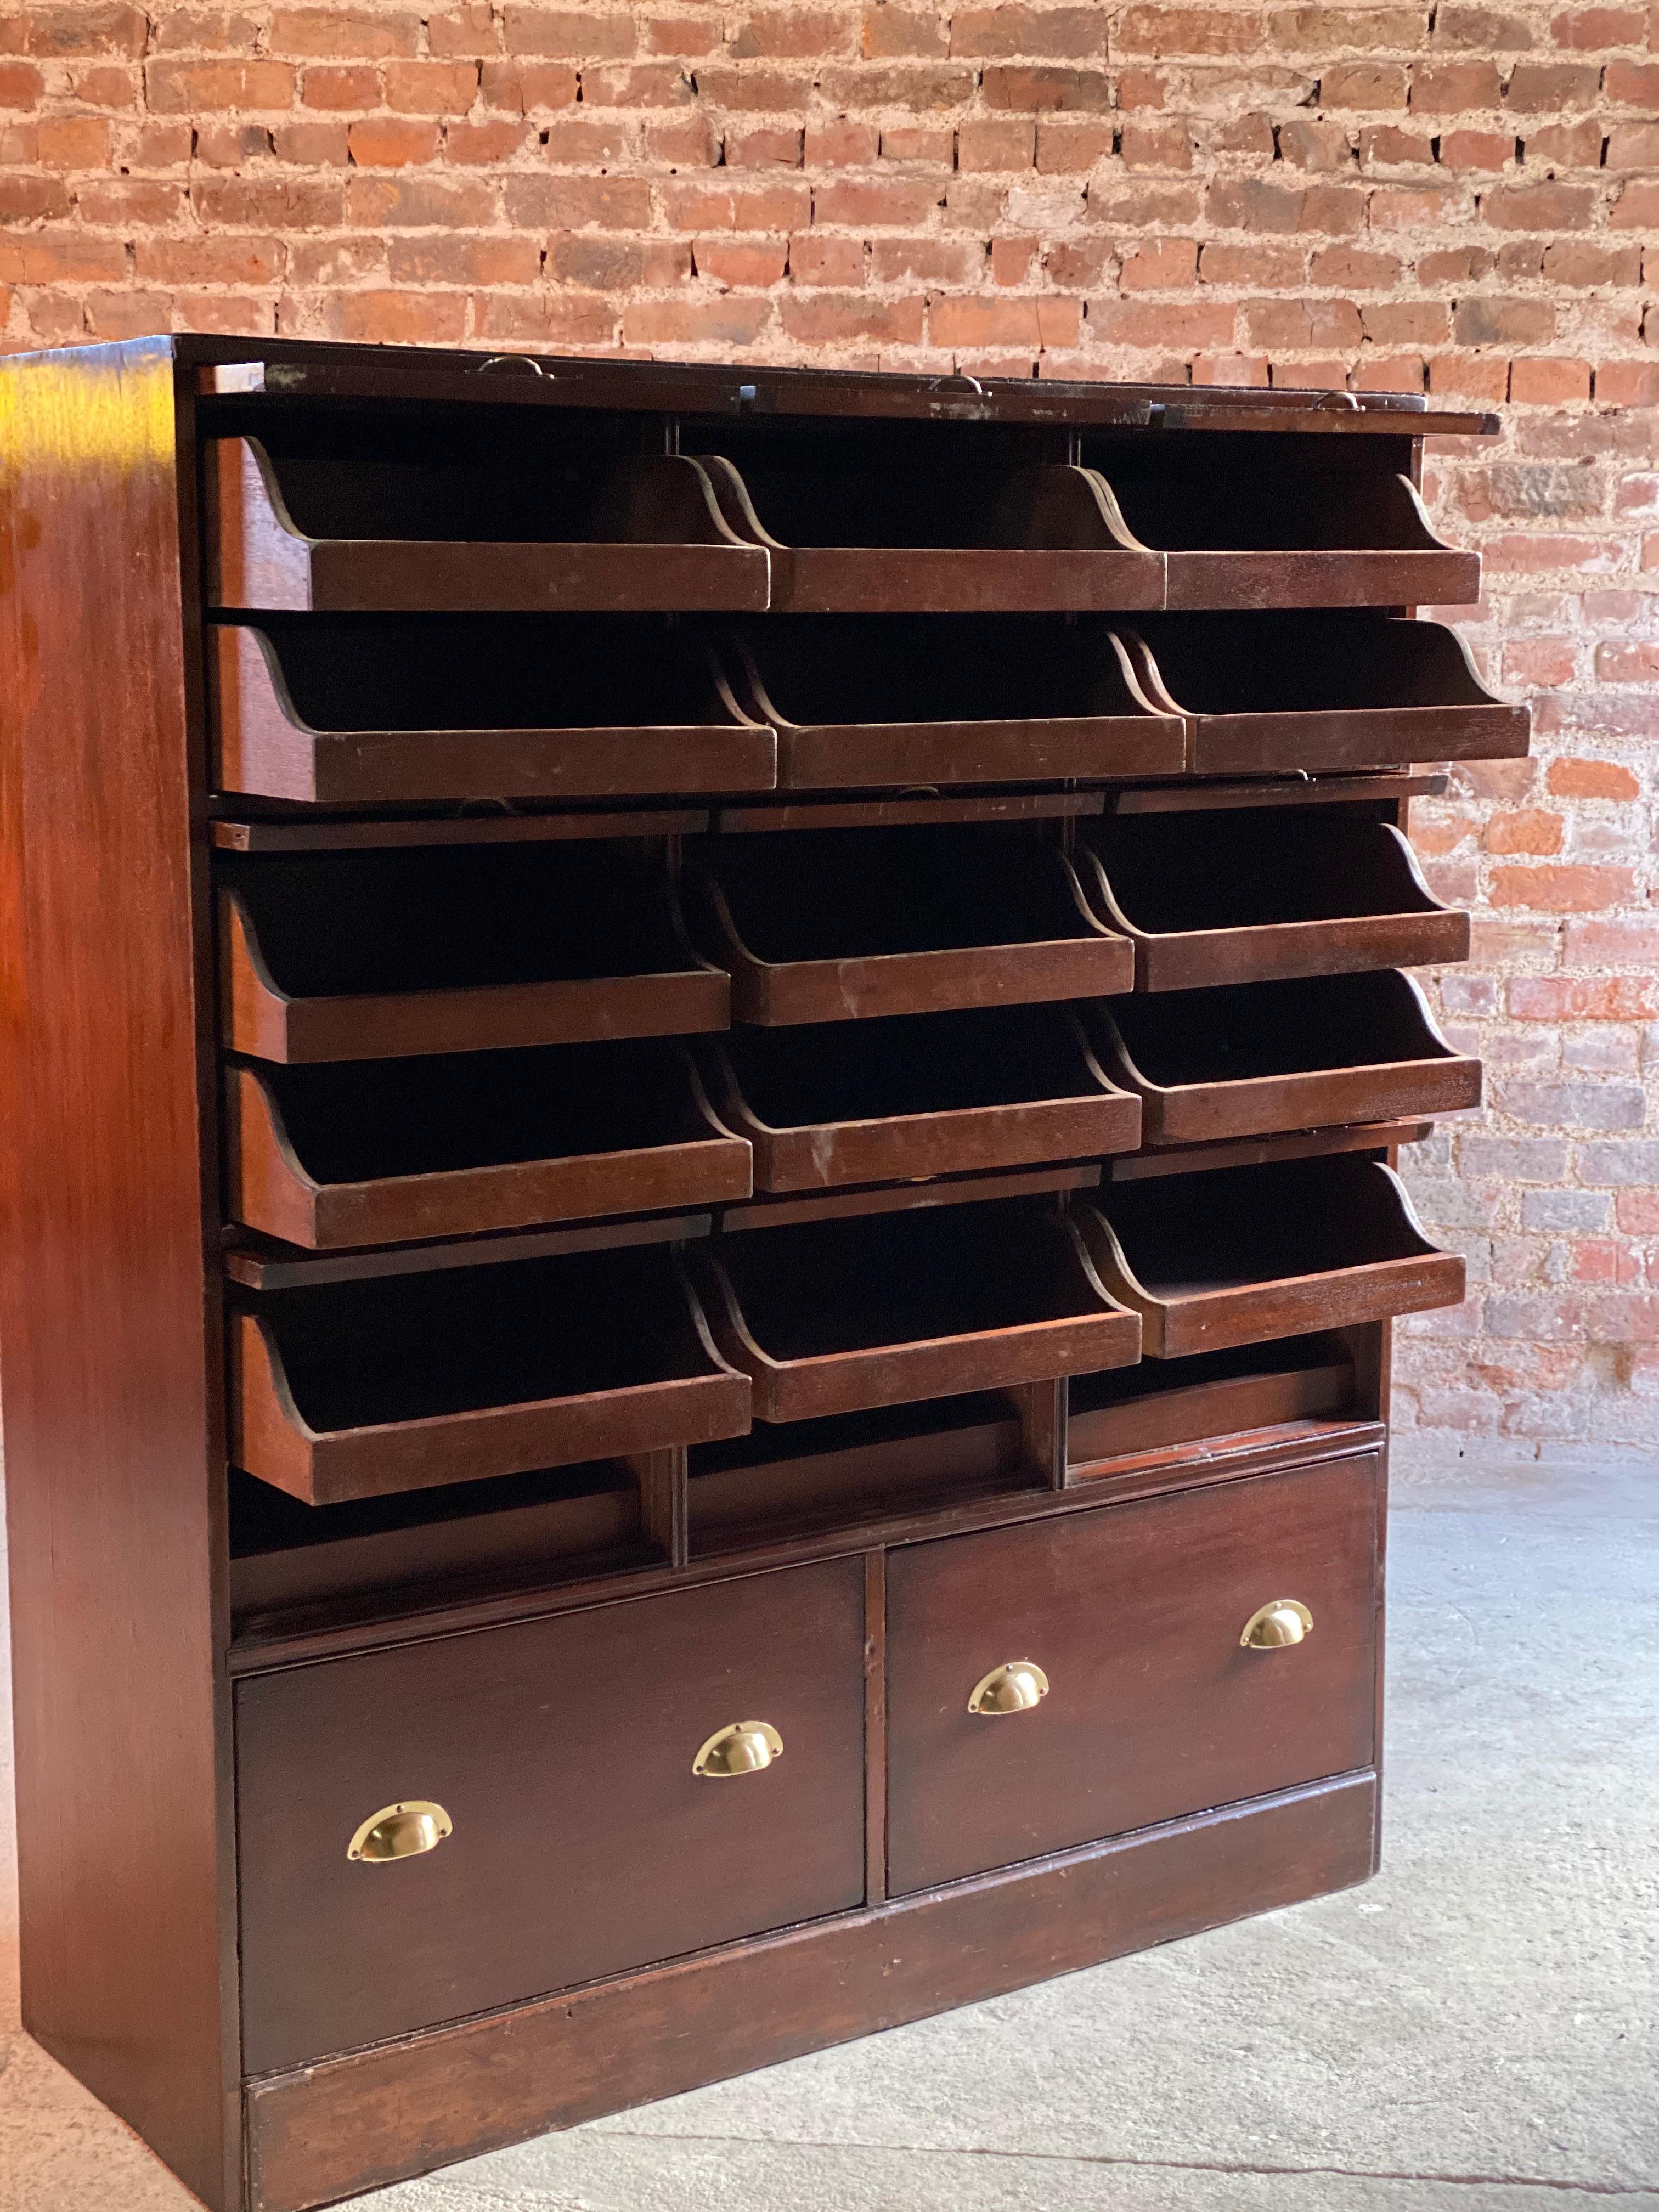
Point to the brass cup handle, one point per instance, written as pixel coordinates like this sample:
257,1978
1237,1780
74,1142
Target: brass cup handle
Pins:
741,1748
1014,1687
1281,1621
400,1831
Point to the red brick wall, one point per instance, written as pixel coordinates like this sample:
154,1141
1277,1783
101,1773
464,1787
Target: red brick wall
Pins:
1460,200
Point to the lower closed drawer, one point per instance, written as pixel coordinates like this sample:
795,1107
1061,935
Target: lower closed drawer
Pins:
1154,1707
581,1843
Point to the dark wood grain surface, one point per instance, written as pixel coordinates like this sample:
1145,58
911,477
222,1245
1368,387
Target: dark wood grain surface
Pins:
1153,1710
263,745
257,1017
1189,1401
583,1843
831,757
254,556
115,1512
1209,900
1306,1054
1245,1254
1385,577
270,1435
661,1151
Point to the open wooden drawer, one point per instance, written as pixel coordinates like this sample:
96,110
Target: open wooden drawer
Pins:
1242,534
355,514
338,711
375,1152
860,531
832,1316
1235,1255
836,926
1243,1060
1267,693
883,699
1253,895
383,953
349,1390
917,1095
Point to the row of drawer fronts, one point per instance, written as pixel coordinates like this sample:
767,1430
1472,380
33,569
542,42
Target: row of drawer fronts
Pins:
357,1152
552,1763
386,952
332,712
292,529
357,1388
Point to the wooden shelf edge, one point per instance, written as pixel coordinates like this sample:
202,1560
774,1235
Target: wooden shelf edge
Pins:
1256,1152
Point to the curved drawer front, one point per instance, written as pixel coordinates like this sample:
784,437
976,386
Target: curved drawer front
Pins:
1154,1708
582,1843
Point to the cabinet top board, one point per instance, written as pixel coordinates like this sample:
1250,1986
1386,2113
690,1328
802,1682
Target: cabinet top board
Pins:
314,369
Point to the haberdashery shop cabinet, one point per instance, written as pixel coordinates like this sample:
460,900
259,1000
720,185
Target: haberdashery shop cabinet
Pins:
705,1068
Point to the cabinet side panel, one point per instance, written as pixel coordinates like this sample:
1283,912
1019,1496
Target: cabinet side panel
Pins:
103,1332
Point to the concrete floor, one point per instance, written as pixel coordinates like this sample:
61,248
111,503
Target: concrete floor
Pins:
1474,2032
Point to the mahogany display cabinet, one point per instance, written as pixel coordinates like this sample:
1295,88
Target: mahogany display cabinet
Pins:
704,1068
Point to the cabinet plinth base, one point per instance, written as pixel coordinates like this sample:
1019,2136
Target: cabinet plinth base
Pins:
321,2132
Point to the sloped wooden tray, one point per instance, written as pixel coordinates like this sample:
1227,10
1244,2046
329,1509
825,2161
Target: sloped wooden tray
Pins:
350,1390
841,926
301,531
1255,535
920,1094
1028,540
382,953
885,701
1244,1255
1267,694
1253,896
359,1152
1250,1059
334,713
834,1316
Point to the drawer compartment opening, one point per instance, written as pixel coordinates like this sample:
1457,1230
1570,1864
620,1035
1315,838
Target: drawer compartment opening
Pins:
352,1152
1274,693
1250,1059
351,1389
839,925
852,528
836,1317
809,1477
1259,895
1238,1255
1161,1402
346,710
886,700
381,953
357,514
506,1529
917,1095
